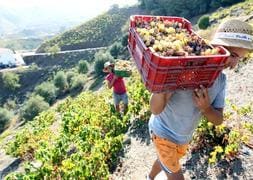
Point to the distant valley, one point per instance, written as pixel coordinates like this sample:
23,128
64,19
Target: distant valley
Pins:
28,27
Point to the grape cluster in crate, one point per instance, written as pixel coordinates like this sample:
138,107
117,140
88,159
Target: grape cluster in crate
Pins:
123,68
169,38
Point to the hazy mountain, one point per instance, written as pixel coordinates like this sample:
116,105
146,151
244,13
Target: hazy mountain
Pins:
36,21
8,20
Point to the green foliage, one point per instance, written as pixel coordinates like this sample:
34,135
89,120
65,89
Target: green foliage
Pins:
98,32
140,97
215,4
60,81
33,67
48,91
183,8
10,104
248,126
224,141
77,82
100,58
5,117
53,50
31,136
86,143
82,67
70,75
203,22
124,40
33,106
11,80
229,2
115,49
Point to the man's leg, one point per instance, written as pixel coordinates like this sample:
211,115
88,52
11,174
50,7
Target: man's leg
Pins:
169,155
117,107
125,108
156,168
175,176
125,101
116,99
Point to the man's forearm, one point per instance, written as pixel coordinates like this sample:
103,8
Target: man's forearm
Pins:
213,115
110,84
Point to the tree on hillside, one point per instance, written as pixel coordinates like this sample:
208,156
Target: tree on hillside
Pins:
33,107
70,75
10,104
82,67
124,40
60,81
203,22
53,49
229,2
48,91
11,81
115,49
5,117
100,58
77,82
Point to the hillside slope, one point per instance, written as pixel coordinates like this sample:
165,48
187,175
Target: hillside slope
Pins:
100,31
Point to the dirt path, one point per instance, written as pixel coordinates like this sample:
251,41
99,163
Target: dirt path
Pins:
140,154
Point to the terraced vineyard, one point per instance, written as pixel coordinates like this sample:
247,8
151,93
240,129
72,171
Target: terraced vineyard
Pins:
81,138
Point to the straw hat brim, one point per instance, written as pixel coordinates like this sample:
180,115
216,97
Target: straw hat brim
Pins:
233,43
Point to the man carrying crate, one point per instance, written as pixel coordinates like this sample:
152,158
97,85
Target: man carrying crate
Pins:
119,88
175,115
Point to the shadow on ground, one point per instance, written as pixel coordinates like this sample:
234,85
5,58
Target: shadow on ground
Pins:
139,130
198,167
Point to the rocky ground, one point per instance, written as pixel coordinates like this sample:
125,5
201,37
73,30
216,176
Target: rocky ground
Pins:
140,153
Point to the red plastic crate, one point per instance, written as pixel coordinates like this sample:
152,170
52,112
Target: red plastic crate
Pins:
161,73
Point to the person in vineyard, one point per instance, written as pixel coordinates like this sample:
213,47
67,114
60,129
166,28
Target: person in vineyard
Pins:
175,115
119,88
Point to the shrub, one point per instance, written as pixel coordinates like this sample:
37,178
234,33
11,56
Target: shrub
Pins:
48,91
124,40
203,22
60,81
33,106
53,50
34,67
115,49
100,58
10,104
77,82
11,81
70,75
82,67
5,117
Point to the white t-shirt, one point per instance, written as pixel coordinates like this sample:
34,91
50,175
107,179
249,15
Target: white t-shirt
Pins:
180,116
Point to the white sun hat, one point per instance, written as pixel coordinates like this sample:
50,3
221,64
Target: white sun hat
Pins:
234,33
107,64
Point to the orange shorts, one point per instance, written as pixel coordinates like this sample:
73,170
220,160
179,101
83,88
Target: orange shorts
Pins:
169,153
